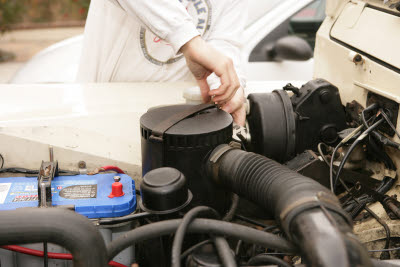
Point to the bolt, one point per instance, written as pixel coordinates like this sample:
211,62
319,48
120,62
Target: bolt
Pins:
117,179
82,164
325,96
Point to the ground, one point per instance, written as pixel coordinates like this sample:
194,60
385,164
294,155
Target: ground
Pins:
26,43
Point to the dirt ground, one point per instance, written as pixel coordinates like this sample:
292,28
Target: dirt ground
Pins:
26,43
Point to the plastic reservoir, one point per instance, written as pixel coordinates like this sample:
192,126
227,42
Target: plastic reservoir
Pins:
87,193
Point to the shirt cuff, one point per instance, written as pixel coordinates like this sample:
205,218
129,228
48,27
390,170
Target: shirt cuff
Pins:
182,35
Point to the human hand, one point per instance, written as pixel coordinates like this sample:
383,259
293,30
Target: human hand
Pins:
203,60
236,107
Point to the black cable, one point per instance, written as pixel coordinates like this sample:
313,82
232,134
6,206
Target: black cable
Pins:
238,247
233,208
352,147
332,184
194,247
29,171
2,161
212,227
384,250
373,214
381,138
45,255
123,219
181,231
264,259
384,115
224,252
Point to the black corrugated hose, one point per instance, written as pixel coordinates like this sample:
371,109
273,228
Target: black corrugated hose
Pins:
309,213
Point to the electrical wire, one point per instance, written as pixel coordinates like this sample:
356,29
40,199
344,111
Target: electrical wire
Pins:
376,134
2,161
373,214
352,147
34,172
389,122
112,168
51,255
345,140
181,231
233,208
376,217
384,250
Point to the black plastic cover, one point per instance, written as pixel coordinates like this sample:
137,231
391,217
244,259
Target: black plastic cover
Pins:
164,190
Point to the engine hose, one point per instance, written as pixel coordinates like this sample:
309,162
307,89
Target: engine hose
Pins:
199,226
58,226
225,253
309,213
263,259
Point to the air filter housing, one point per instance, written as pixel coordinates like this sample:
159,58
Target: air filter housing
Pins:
181,137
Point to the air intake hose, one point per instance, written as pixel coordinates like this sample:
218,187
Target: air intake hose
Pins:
310,214
55,225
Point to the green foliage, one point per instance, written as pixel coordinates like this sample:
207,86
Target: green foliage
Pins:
32,11
10,12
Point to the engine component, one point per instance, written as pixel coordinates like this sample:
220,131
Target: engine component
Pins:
297,202
204,256
180,137
282,127
86,194
164,191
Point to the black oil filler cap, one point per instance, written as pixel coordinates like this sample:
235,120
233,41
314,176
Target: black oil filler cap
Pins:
164,191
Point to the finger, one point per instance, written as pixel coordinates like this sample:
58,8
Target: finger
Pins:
239,116
225,83
232,88
204,89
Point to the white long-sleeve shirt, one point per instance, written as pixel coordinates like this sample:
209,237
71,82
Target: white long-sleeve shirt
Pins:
139,40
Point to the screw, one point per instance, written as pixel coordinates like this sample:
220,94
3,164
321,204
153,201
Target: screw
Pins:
117,179
82,164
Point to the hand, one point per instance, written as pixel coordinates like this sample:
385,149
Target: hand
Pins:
236,107
203,60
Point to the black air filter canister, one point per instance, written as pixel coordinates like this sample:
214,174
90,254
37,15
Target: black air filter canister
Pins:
181,137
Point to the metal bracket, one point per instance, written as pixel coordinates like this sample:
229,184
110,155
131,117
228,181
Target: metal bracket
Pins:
47,172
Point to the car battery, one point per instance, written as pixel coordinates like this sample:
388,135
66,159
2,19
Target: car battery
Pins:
89,195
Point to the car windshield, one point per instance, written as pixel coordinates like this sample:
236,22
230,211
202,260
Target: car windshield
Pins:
258,8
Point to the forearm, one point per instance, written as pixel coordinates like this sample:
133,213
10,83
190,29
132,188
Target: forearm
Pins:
165,18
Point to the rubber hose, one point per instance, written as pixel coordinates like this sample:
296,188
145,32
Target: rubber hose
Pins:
180,232
379,263
224,252
267,260
233,208
213,227
286,195
58,226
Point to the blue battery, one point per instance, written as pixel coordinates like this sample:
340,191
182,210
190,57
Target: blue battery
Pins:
89,194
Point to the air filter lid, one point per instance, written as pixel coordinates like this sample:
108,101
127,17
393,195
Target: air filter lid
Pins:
205,128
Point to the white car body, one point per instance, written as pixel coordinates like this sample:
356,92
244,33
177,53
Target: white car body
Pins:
59,63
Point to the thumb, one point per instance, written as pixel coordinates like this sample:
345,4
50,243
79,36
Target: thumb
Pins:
204,89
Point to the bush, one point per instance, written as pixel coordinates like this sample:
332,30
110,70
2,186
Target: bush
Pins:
32,11
10,12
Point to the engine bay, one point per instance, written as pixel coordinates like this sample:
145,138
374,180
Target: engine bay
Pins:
312,180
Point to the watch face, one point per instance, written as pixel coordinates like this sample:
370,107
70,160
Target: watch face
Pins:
158,51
